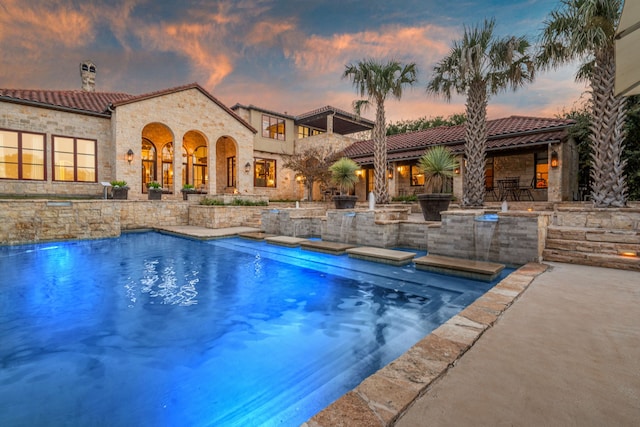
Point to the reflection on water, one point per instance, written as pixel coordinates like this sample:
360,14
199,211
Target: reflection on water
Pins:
164,287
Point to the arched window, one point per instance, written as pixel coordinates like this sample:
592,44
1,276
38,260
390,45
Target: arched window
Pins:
185,166
149,172
167,165
200,167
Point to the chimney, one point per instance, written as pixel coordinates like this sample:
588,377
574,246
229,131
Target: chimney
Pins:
88,74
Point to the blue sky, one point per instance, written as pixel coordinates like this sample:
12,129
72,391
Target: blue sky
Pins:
283,55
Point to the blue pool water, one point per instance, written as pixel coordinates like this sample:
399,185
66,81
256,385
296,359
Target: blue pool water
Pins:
156,330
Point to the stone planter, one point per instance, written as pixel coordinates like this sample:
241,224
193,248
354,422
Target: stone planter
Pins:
432,204
154,194
345,201
119,193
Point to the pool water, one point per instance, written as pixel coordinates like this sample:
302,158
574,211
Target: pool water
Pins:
156,330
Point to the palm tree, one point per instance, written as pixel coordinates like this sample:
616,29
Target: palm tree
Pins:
478,66
377,81
584,30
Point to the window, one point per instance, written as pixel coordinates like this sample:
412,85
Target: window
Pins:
22,155
185,167
542,169
231,171
272,127
200,176
417,176
167,165
74,159
304,132
488,174
148,163
264,173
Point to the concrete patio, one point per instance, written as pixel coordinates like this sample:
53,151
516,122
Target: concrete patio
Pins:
566,353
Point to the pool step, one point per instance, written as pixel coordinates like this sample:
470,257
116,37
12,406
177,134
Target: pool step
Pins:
332,248
290,242
386,256
477,270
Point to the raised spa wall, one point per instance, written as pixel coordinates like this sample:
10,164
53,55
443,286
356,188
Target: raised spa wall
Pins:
514,238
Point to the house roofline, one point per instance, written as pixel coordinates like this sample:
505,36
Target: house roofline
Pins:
48,106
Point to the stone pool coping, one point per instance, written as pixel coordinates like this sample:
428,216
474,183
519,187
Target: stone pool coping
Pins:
383,397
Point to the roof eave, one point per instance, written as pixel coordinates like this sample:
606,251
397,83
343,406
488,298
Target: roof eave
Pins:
54,107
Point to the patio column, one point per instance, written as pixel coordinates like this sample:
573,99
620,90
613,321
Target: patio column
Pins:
330,124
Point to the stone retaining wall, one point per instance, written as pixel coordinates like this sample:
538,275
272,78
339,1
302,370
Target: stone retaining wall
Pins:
586,216
220,216
32,221
152,213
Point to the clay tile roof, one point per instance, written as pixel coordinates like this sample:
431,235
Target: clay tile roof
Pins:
81,101
514,131
98,103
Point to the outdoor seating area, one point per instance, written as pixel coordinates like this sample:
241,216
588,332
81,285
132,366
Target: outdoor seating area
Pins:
510,188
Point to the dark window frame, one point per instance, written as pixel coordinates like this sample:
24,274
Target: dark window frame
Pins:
20,161
75,158
258,180
270,123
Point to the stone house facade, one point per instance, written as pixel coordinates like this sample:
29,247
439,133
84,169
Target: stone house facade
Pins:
536,153
73,143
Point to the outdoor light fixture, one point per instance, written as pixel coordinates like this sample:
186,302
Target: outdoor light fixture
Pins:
247,168
628,253
390,173
456,171
554,159
130,155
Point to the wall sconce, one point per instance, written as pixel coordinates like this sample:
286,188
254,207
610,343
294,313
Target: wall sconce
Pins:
247,167
390,173
130,156
554,159
457,171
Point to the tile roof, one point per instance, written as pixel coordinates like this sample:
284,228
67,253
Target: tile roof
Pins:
81,101
514,131
99,103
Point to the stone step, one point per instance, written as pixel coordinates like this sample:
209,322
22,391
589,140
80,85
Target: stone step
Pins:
595,259
478,270
386,256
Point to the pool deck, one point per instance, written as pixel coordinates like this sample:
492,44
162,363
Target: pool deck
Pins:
551,344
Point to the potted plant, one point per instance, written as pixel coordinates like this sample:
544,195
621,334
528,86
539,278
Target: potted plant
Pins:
437,164
186,190
343,175
119,190
154,190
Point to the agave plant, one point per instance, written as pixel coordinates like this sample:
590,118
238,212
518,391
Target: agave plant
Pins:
437,164
343,174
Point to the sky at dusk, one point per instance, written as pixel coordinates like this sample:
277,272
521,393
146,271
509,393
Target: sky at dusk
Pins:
281,55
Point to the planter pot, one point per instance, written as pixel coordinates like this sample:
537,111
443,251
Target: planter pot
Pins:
345,202
120,193
433,204
154,194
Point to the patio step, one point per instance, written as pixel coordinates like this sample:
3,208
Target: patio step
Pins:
593,246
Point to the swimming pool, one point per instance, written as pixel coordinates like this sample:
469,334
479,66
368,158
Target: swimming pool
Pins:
156,330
